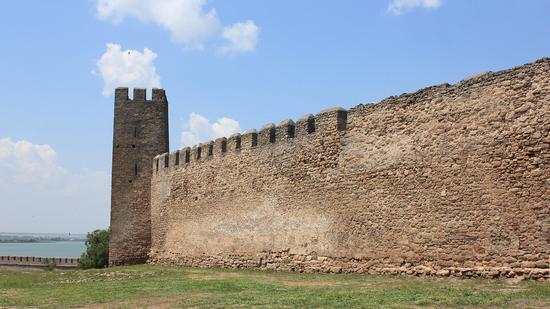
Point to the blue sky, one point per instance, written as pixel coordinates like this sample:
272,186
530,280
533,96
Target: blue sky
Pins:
244,62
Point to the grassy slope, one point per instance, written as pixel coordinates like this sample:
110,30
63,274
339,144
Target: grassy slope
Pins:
147,285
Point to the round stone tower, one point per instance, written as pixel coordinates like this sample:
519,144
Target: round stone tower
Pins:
140,133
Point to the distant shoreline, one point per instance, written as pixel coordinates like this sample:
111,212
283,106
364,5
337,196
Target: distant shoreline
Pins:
22,241
46,248
39,237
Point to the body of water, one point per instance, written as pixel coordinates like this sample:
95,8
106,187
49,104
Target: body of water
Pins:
69,249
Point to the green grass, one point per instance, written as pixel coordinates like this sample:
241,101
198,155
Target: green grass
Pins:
147,285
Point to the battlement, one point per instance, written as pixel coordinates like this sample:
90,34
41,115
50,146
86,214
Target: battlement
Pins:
327,123
139,95
33,261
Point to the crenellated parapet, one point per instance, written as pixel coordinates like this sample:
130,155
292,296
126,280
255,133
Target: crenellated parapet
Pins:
34,261
139,95
327,123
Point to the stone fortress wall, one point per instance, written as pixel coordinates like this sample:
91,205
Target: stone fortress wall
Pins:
33,261
450,180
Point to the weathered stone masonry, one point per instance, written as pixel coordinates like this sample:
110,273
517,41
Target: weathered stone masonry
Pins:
450,180
140,133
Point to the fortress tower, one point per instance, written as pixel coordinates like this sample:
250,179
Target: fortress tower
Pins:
140,133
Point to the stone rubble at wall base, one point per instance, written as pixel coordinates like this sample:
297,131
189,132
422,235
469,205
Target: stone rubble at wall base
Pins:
285,261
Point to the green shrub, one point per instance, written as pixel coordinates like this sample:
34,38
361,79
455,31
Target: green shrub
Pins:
97,250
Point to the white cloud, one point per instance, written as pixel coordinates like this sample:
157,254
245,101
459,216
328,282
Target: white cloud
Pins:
187,20
26,162
398,7
128,68
42,196
199,129
190,22
240,37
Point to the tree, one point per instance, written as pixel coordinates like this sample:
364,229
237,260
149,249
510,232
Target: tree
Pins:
97,250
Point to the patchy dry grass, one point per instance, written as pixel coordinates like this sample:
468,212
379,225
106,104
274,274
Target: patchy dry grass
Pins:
148,286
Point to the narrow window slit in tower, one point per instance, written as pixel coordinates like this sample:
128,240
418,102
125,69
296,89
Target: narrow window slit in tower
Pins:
135,169
157,164
135,132
178,157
